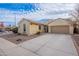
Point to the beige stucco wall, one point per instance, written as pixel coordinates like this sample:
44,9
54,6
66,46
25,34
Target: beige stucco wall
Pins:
71,29
20,27
49,29
42,28
58,22
34,28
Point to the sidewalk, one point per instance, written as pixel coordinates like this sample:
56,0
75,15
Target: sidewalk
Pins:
9,49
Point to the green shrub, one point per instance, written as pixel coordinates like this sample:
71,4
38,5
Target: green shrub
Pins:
15,30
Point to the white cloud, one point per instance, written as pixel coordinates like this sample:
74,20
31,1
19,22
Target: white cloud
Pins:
47,11
51,11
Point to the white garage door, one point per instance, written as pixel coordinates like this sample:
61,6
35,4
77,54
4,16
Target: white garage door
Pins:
60,29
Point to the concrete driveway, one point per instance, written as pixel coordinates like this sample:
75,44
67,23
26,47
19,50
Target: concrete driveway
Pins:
45,45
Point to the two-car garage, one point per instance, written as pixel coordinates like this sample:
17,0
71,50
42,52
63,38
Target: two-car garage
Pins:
60,29
60,26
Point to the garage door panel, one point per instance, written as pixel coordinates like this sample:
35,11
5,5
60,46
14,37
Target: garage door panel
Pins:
60,29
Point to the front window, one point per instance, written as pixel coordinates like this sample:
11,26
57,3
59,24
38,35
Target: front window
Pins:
39,27
24,27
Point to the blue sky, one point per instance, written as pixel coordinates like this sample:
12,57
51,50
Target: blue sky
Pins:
18,6
35,11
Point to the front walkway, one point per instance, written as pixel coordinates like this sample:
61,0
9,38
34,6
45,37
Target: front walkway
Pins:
45,45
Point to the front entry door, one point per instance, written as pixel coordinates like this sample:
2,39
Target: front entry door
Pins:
46,28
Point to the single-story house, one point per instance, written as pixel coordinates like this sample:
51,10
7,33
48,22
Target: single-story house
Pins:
30,27
61,26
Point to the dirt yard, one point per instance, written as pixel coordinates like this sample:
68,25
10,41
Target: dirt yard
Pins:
18,38
76,41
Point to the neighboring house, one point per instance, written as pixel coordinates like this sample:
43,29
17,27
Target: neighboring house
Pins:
61,26
30,27
1,26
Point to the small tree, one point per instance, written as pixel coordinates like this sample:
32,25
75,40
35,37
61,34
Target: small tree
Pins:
75,14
